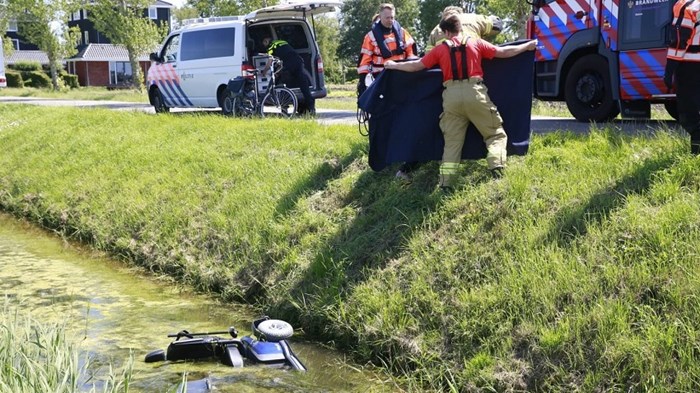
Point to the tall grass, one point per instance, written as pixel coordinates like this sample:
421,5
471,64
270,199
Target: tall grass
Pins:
39,357
577,272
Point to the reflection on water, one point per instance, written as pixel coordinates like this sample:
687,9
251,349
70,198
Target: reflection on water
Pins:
114,310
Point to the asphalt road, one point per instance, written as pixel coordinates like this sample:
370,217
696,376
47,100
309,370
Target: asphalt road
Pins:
539,124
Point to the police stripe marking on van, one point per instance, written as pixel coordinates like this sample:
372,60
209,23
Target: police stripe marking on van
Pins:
167,80
172,80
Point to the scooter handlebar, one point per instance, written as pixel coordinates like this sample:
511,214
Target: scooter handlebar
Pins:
184,333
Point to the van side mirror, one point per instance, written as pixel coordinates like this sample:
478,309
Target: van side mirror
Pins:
154,57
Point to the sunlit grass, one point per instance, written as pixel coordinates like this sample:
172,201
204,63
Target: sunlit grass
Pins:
576,272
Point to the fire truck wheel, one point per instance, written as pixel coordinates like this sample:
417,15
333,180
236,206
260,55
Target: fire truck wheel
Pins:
587,90
672,109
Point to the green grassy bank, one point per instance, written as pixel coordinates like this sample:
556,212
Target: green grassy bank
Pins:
577,272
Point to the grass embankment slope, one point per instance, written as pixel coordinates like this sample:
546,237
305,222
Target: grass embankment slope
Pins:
577,272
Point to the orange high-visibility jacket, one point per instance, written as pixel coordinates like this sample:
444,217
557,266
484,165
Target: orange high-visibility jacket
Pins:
685,36
371,55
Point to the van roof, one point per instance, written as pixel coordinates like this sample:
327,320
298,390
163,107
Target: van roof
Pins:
300,9
199,21
296,10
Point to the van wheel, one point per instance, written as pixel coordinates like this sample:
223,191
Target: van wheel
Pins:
223,96
158,101
588,91
227,104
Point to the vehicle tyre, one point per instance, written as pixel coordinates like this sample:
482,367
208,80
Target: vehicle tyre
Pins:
158,102
672,109
280,101
275,329
227,104
588,91
221,99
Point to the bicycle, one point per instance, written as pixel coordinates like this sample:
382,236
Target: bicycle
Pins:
244,97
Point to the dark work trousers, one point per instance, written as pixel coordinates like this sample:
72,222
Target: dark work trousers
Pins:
302,80
688,96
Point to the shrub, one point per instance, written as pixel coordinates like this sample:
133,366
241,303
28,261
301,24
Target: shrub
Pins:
14,78
26,66
37,79
70,80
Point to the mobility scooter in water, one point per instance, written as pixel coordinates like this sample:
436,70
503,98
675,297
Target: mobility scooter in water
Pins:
267,346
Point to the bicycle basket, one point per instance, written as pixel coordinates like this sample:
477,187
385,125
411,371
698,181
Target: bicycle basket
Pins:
236,84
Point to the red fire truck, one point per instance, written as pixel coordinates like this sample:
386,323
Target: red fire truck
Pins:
602,57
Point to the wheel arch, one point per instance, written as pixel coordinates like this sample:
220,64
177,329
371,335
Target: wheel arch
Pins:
573,55
220,93
151,89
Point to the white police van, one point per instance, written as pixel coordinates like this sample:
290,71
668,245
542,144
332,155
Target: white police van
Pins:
196,62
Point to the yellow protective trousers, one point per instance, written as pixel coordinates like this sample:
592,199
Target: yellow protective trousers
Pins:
465,102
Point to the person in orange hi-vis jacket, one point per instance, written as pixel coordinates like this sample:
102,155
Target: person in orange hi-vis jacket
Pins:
387,40
683,67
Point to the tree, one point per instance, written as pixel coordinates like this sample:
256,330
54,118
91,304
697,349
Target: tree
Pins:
42,23
207,8
357,19
124,23
514,14
430,11
4,22
183,13
327,36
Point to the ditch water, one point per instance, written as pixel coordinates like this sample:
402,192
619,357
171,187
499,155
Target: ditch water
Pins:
116,311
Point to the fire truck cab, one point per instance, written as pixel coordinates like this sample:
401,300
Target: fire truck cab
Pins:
602,57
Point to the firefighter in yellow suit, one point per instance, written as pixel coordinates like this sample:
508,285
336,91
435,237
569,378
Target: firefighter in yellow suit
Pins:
473,25
683,67
465,99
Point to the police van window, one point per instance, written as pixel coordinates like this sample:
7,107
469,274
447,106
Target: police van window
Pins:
207,44
294,34
170,49
643,23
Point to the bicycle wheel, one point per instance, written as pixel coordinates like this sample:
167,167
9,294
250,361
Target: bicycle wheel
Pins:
242,106
279,102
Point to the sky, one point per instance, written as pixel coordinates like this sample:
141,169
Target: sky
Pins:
177,3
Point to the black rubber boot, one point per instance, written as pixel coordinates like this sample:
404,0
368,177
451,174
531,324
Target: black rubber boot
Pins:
497,172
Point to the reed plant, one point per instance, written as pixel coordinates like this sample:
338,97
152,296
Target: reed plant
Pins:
577,272
42,357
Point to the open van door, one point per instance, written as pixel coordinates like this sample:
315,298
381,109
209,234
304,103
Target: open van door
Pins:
290,22
3,80
295,10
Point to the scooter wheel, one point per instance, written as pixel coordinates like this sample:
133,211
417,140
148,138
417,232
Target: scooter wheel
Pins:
275,329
